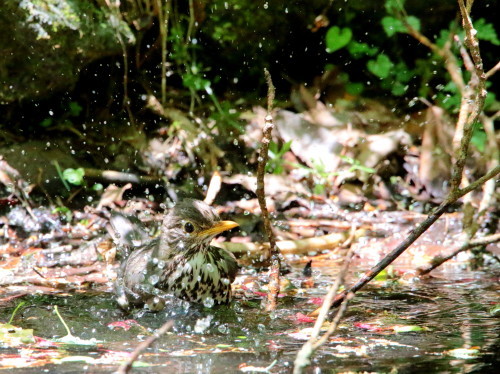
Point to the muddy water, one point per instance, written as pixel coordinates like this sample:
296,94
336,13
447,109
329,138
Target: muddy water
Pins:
455,312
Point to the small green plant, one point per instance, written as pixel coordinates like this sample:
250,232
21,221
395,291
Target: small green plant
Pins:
74,176
337,38
394,73
71,111
318,174
356,165
322,177
276,163
194,78
65,212
479,138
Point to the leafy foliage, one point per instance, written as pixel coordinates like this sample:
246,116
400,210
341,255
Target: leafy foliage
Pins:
395,73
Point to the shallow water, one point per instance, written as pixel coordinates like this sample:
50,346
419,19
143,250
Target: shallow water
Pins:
455,312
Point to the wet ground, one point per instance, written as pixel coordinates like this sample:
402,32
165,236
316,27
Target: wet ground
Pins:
460,331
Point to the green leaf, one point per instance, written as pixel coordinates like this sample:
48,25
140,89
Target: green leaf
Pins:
286,147
403,73
413,22
392,25
392,6
358,50
12,336
495,310
407,328
398,89
444,36
46,122
75,109
479,139
381,67
490,100
486,31
74,176
337,38
353,88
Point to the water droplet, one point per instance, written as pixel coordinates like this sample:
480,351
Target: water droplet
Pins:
202,324
208,302
210,267
153,279
223,329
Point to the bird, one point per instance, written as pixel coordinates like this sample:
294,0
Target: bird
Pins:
180,263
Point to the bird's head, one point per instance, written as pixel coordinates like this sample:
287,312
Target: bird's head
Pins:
192,224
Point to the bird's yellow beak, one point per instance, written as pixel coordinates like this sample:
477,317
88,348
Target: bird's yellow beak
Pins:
218,227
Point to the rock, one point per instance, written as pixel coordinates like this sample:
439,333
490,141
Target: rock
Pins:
45,44
34,162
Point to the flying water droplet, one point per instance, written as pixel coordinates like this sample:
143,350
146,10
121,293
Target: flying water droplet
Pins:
210,267
223,329
208,302
153,279
202,324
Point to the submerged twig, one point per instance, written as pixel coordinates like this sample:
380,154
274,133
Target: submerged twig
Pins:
438,261
273,253
127,365
113,176
299,246
303,356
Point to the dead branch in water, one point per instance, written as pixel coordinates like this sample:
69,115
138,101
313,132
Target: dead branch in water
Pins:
273,253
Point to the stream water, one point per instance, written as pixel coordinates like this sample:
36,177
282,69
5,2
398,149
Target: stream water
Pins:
460,332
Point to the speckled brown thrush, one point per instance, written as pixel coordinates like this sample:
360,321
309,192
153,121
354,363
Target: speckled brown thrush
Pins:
180,263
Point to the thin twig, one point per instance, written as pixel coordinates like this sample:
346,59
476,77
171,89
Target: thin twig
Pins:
114,7
163,18
127,365
438,261
273,254
478,79
335,322
303,356
493,70
299,246
113,176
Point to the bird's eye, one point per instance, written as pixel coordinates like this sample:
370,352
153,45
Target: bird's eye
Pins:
188,227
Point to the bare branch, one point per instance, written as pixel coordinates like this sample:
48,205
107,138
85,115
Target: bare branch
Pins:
438,261
493,70
127,365
273,253
303,356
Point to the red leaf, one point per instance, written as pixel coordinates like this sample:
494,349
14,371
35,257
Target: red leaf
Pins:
302,318
126,324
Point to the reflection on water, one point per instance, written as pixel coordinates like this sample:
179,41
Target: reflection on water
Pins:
454,311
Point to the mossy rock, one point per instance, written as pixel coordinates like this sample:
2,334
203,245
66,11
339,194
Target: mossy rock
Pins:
45,43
